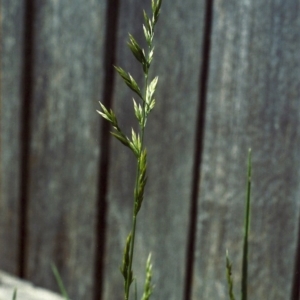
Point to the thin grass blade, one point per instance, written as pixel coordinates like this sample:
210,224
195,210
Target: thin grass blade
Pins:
60,283
246,231
14,294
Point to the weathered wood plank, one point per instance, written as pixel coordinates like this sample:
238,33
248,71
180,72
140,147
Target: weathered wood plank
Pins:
253,101
163,219
68,46
25,290
10,149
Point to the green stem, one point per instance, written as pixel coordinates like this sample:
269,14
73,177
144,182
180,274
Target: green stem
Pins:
134,219
246,232
128,282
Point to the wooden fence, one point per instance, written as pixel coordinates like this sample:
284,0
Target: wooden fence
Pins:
229,79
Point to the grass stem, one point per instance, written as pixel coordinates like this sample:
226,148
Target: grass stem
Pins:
246,231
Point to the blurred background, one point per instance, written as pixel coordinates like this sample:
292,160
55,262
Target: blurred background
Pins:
229,80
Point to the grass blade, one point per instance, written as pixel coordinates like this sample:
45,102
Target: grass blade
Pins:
246,231
14,294
59,282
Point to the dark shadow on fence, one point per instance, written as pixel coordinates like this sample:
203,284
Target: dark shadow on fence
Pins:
198,151
25,136
296,276
109,76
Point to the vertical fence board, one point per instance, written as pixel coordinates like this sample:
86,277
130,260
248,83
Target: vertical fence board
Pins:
253,101
11,77
163,219
69,37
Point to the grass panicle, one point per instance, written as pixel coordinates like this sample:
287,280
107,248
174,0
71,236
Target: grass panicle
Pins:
125,265
135,143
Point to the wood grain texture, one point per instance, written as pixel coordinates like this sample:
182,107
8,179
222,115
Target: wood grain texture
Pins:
68,46
10,127
163,220
252,101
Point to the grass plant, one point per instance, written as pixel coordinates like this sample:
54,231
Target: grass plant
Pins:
136,145
142,108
